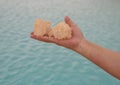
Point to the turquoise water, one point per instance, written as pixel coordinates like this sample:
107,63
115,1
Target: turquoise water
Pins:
24,61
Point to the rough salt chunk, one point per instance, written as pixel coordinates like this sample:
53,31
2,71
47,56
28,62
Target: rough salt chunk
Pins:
61,31
41,27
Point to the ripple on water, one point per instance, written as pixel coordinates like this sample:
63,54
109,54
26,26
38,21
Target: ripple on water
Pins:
25,61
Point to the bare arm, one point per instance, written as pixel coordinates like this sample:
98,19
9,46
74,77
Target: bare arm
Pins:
104,58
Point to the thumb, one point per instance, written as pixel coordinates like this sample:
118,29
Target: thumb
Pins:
75,29
69,22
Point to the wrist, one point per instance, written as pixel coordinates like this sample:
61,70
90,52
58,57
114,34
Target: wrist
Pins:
80,46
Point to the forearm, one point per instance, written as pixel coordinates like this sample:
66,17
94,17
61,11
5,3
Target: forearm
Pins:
104,58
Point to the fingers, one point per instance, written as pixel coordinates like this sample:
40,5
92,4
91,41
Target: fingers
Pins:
32,35
51,40
44,38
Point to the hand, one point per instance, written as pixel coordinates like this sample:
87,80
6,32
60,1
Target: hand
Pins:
72,43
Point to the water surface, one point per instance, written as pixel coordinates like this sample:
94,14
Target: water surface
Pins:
24,61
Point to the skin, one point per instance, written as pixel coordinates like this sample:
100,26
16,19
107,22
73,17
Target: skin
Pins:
107,59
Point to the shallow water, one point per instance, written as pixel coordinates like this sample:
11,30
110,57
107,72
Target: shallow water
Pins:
24,61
